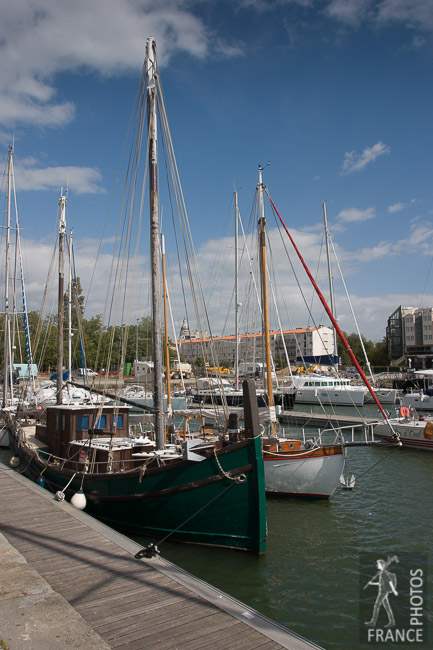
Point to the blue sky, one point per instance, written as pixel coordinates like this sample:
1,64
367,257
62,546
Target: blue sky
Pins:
336,94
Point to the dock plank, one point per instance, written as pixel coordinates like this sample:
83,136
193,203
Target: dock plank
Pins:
132,604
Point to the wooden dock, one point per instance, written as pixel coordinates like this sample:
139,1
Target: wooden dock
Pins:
132,604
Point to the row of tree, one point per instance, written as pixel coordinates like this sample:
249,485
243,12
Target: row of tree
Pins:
92,339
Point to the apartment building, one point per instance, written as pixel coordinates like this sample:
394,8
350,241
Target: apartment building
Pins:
302,345
410,336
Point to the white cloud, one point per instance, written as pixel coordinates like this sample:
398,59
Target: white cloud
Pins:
397,207
355,162
420,238
41,38
351,215
371,310
82,180
351,12
413,13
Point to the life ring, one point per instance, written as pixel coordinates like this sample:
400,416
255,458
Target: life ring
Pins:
404,412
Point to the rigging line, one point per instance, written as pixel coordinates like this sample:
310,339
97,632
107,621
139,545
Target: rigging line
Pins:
166,154
117,272
334,322
280,327
298,347
23,290
191,258
133,113
268,276
426,282
377,463
309,309
134,126
351,309
313,320
47,287
142,553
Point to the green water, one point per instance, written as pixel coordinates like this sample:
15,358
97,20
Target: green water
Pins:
309,579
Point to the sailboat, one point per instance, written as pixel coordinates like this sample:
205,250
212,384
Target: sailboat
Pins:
205,492
301,467
292,466
321,388
391,429
11,397
415,432
385,395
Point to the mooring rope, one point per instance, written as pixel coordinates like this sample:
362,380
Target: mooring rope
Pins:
152,549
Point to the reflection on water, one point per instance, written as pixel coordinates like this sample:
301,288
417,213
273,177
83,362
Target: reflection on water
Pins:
308,579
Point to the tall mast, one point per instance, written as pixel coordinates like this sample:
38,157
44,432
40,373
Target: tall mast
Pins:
265,305
7,344
331,286
154,241
167,351
236,293
62,233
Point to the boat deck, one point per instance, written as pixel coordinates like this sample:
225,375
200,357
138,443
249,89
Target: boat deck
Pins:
131,604
308,418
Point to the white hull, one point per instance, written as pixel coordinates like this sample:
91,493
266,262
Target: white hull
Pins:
412,433
313,476
333,396
384,395
418,401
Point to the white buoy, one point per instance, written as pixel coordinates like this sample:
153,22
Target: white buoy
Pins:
79,500
15,462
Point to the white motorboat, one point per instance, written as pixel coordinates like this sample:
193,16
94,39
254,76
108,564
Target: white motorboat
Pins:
421,400
384,395
325,389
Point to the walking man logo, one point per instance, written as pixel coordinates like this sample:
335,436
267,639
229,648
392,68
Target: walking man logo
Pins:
386,583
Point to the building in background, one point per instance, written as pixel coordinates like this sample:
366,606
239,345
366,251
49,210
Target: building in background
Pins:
311,345
409,336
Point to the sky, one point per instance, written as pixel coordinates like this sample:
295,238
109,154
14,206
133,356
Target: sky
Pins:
336,95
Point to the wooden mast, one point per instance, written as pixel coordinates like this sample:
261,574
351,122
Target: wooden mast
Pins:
154,241
265,302
62,233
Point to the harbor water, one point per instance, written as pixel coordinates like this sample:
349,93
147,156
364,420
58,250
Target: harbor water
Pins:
320,554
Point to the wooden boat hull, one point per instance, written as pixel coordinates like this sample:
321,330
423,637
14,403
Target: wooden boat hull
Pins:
308,474
194,501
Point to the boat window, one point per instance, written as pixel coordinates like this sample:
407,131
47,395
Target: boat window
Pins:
118,421
82,422
101,422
